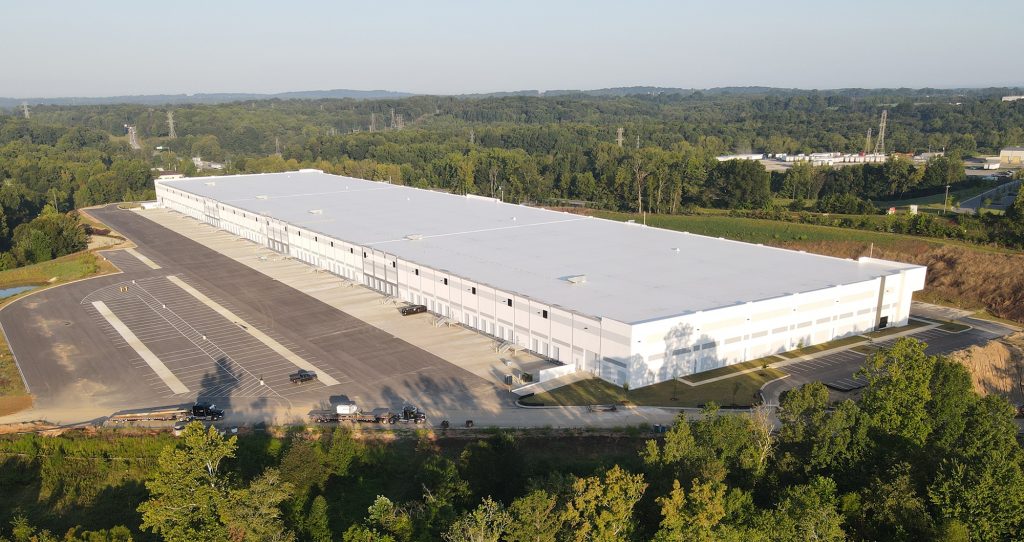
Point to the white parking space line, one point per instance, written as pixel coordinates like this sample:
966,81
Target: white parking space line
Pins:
149,263
284,352
144,352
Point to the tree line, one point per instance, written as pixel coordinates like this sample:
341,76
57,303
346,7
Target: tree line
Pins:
46,172
920,457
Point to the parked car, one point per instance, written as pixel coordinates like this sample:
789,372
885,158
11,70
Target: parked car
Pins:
302,376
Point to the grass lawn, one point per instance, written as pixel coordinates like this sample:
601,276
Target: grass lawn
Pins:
913,324
954,327
935,200
63,269
740,390
845,341
777,232
730,369
13,396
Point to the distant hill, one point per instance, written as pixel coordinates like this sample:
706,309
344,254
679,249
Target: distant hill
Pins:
213,98
216,98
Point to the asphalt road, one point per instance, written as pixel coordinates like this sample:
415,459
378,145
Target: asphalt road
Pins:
842,365
70,354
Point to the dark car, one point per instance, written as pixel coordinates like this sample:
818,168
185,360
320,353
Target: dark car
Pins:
302,376
412,309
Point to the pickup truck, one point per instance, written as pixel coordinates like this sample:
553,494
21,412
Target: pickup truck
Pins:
302,376
412,309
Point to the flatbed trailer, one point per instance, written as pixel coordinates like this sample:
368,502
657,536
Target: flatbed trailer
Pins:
165,414
330,416
352,414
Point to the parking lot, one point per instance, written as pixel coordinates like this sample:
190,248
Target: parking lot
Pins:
838,369
206,352
182,322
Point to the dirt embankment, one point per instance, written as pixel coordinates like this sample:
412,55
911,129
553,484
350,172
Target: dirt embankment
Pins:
970,279
996,367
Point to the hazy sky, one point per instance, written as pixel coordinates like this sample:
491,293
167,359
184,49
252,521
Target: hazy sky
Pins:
102,48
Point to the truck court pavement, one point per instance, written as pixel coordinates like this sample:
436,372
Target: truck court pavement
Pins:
224,332
841,365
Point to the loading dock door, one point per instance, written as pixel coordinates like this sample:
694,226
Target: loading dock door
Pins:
277,237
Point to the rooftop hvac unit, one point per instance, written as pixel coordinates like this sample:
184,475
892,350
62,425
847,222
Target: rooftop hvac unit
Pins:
414,236
577,279
316,211
262,197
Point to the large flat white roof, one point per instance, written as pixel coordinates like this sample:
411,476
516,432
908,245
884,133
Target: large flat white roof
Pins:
633,273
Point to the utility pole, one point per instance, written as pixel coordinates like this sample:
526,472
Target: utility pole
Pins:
945,201
618,137
880,142
472,136
867,142
170,124
638,142
277,146
373,121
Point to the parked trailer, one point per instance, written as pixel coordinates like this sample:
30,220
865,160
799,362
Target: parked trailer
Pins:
198,411
163,414
352,414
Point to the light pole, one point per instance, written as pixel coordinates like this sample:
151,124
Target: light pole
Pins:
945,202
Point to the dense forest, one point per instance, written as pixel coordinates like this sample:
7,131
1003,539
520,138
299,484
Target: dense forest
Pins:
47,171
919,457
550,150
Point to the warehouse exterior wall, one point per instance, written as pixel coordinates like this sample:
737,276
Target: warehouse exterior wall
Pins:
636,354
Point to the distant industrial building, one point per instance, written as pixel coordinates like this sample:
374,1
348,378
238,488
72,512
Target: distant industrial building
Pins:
1012,98
729,157
1011,156
631,304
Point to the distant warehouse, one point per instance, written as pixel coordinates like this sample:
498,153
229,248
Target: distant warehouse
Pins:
632,304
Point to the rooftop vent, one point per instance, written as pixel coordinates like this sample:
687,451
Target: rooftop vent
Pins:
261,197
577,279
414,236
211,183
316,211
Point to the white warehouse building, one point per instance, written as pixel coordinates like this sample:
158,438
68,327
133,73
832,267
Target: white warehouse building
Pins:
634,305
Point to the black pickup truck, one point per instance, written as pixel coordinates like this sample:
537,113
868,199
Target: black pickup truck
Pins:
302,376
412,309
206,411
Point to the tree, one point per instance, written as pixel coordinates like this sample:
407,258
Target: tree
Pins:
898,390
534,518
187,488
303,465
981,483
477,464
808,512
344,452
601,509
739,184
485,523
395,521
253,513
316,521
899,172
444,492
694,516
952,395
384,523
893,510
